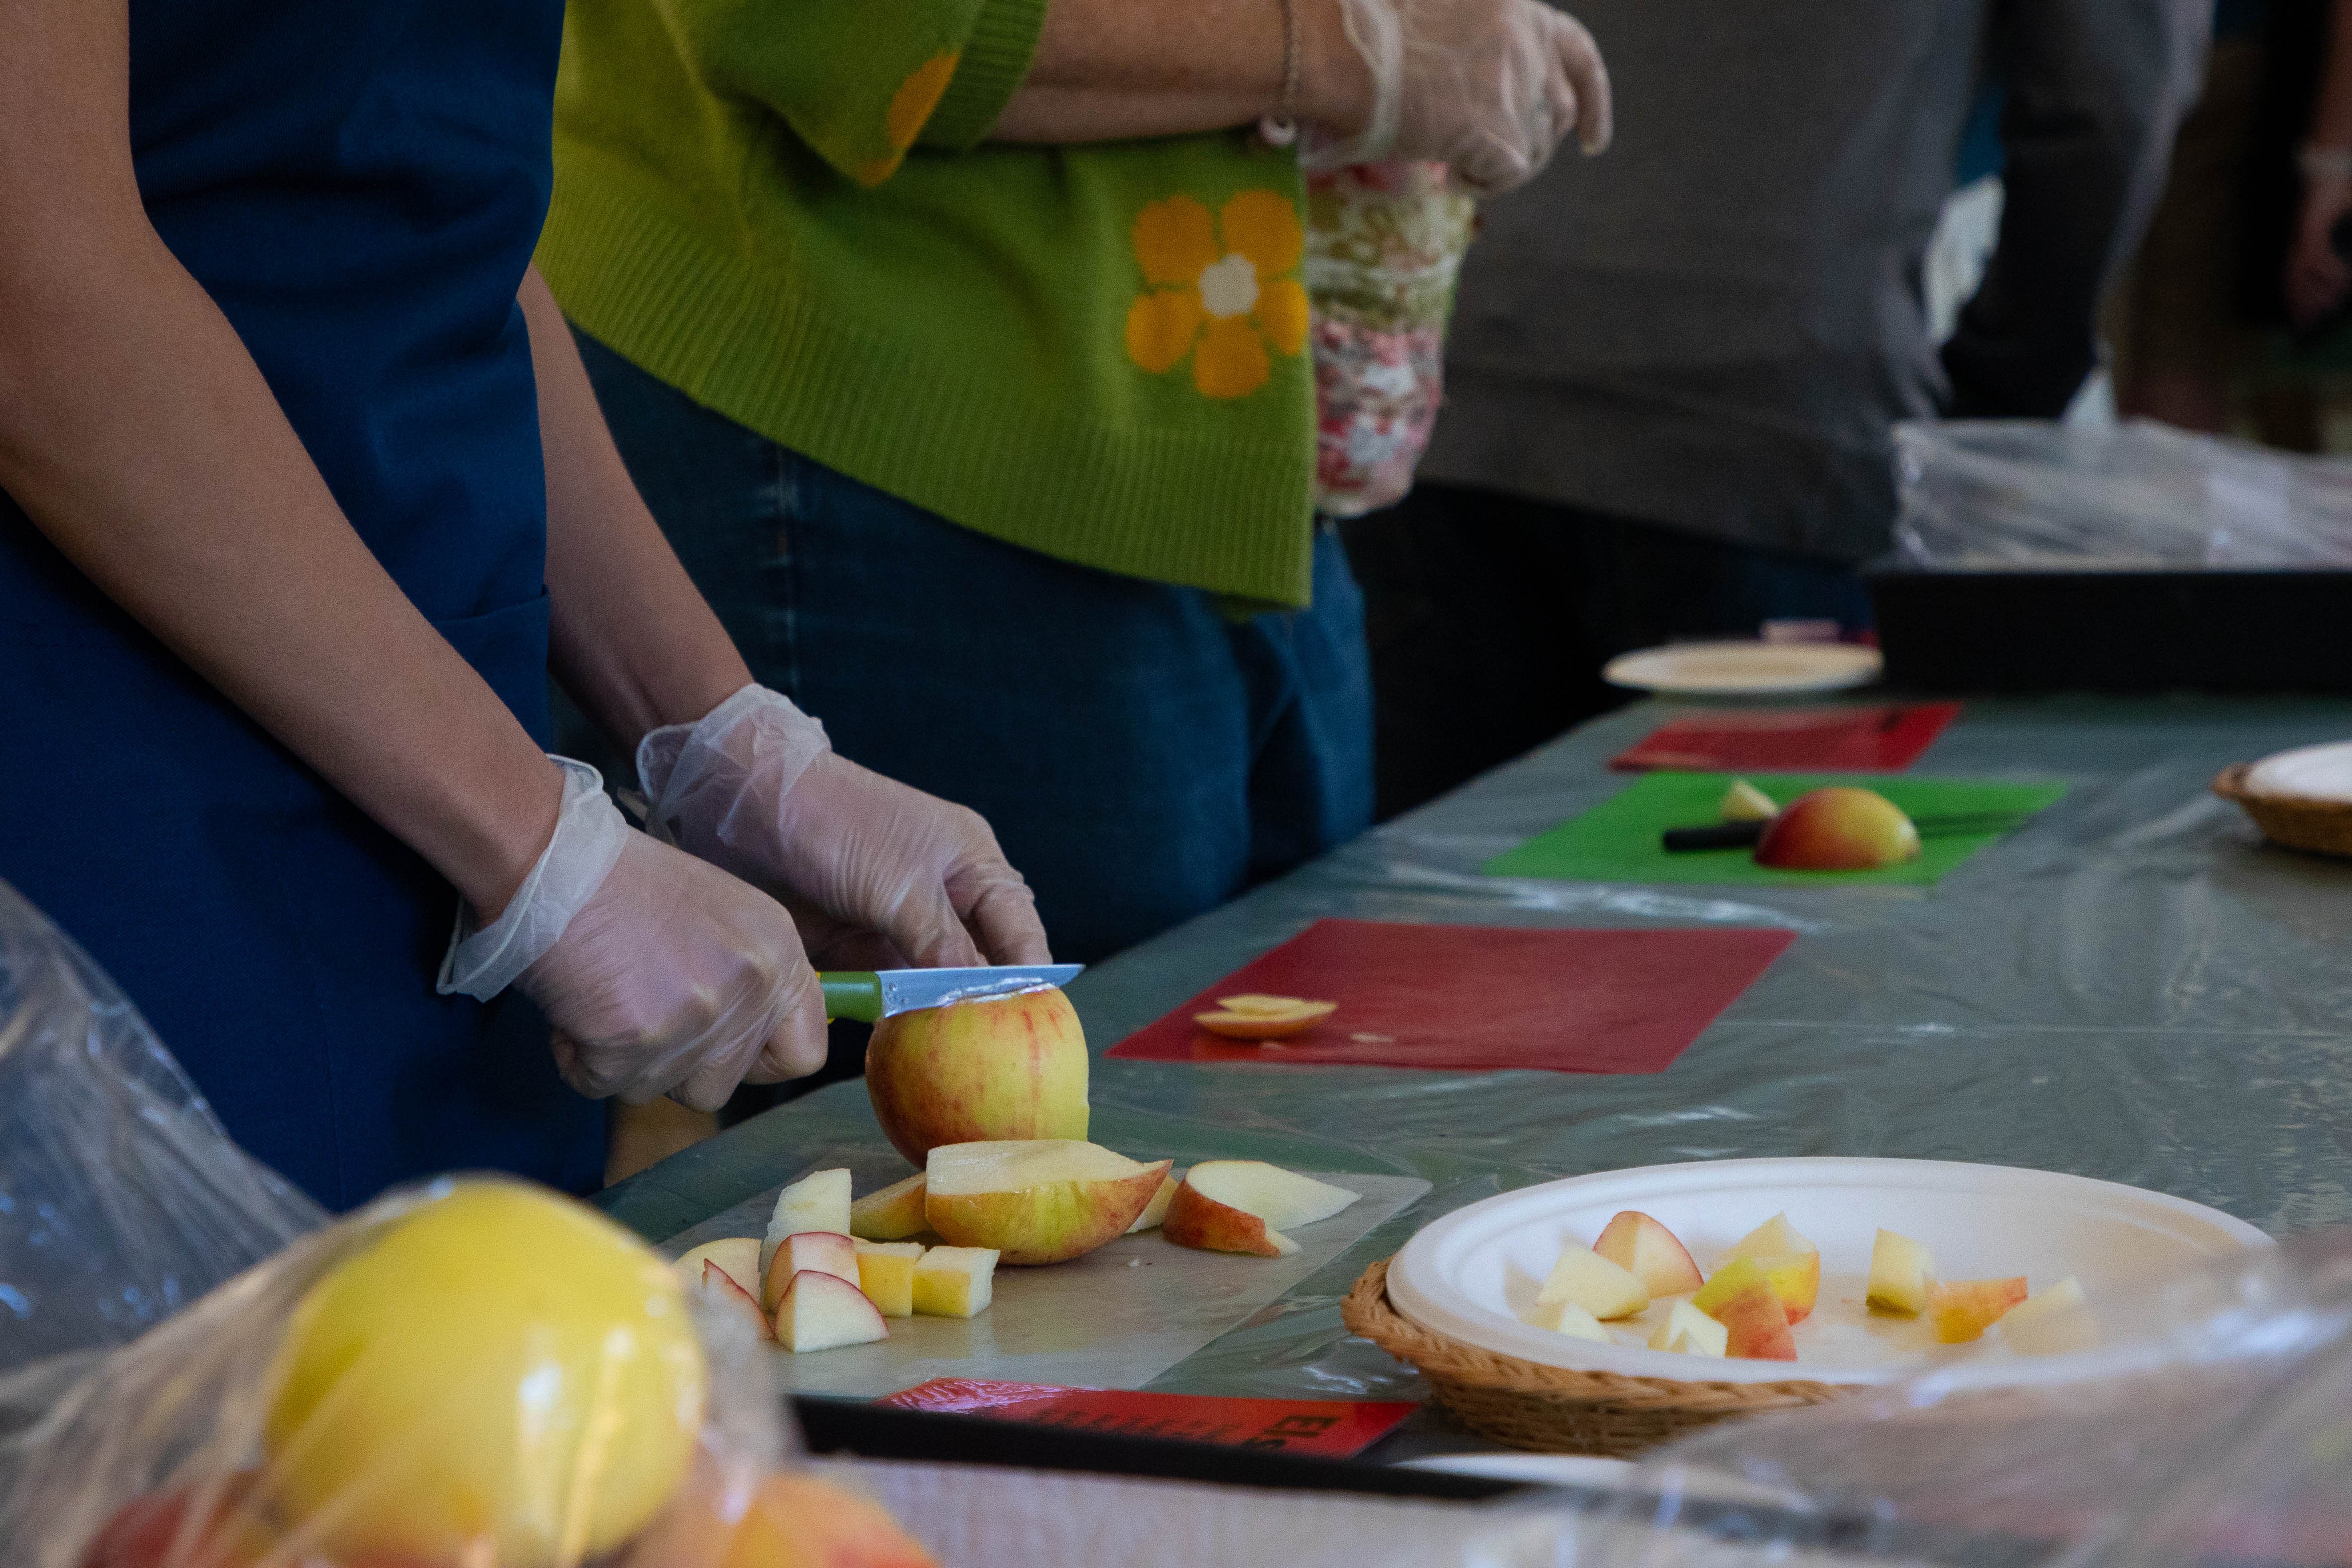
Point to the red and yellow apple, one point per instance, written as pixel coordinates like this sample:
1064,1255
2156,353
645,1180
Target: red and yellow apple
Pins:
955,1282
1741,1296
989,1071
1841,828
893,1214
822,1311
1650,1252
1031,1201
1964,1309
1246,1206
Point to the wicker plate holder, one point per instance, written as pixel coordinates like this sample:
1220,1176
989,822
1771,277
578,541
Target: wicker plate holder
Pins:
1552,1409
2321,826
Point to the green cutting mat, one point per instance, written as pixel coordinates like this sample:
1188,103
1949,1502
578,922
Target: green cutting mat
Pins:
1617,841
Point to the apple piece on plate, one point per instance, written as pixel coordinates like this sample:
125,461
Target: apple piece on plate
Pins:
1689,1332
2051,1322
737,1256
886,1272
1774,1238
1041,1200
806,1251
1741,1296
822,1311
1566,1318
1156,1210
1901,1271
1964,1309
1841,828
1593,1283
818,1201
1262,1021
1650,1252
893,1214
721,1287
1791,1264
1743,802
955,1282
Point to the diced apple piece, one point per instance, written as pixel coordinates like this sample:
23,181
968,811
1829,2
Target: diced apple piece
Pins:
720,1285
805,1251
886,1272
1743,802
1650,1253
1593,1283
1036,1200
823,1311
1689,1332
1566,1318
1284,1199
1156,1210
1963,1311
1262,1024
818,1201
1205,1224
955,1282
891,1215
1796,1279
1776,1237
1741,1296
1900,1272
2051,1322
738,1256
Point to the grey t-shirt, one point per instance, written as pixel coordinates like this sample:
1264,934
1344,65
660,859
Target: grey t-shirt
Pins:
1713,325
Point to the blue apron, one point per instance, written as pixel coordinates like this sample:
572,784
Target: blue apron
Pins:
358,184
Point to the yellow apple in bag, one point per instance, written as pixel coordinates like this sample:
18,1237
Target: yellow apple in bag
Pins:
972,1072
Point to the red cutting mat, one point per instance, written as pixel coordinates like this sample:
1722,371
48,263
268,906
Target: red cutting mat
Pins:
1482,998
1830,740
1334,1428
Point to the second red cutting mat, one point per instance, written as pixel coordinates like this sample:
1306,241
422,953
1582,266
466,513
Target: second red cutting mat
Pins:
1482,998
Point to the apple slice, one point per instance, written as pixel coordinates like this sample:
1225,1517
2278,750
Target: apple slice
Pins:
1266,1007
1689,1332
1593,1283
893,1214
1741,1296
1566,1318
1743,802
823,1311
1650,1253
818,1201
1964,1309
739,1255
807,1251
1207,1225
1156,1210
1901,1271
1776,1237
1284,1199
955,1282
2051,1322
721,1285
1234,1024
1041,1200
886,1272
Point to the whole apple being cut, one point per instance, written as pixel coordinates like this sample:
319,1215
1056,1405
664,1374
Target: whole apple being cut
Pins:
1841,828
986,1070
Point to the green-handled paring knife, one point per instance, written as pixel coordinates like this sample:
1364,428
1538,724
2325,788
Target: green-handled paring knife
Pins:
870,997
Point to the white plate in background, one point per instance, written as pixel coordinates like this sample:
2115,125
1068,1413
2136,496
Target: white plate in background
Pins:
1469,1274
1745,668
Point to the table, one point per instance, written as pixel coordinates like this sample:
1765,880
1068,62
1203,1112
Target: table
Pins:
2133,987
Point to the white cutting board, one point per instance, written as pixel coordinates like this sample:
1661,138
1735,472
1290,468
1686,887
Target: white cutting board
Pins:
1117,1318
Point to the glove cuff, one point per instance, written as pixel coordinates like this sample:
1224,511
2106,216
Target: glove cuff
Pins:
753,747
589,834
1377,32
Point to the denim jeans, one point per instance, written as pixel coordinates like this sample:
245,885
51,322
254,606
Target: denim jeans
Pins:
1143,756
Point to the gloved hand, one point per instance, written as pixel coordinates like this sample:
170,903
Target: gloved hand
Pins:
1487,86
754,788
661,974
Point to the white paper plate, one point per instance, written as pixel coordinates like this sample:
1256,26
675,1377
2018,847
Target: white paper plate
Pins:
1751,668
1469,1274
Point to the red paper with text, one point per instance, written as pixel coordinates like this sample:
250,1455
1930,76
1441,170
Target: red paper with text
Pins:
1482,998
1834,739
1332,1428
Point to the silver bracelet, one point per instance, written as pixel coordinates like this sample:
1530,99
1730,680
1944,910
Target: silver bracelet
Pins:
2324,165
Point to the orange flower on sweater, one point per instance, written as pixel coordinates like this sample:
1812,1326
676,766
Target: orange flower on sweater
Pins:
910,110
1222,291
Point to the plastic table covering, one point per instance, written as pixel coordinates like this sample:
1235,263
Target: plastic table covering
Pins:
2132,987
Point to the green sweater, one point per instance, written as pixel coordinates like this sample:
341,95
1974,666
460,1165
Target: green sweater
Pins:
787,211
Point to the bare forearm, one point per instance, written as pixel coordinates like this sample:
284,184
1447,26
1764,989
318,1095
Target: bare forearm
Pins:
636,644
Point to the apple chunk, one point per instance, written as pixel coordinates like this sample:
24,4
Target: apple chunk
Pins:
886,1272
807,1251
1689,1332
1566,1318
1900,1272
1741,1296
1036,1200
1963,1311
2051,1322
737,1258
1593,1283
721,1287
1156,1211
1649,1252
824,1312
955,1282
1791,1265
818,1201
893,1214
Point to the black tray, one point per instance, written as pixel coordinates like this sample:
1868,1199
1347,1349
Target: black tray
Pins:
2240,632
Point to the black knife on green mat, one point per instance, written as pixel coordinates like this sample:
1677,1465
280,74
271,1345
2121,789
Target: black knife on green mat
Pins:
1747,835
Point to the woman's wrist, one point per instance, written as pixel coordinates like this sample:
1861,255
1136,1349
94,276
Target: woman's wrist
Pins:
498,834
1336,90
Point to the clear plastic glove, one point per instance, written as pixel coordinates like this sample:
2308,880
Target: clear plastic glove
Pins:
872,864
1490,87
661,974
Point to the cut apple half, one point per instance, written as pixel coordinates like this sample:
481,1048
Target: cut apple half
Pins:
893,1214
1651,1253
1263,1019
1246,1206
824,1312
1156,1210
737,1256
721,1287
1032,1201
818,1201
955,1282
886,1272
1592,1282
1566,1318
809,1251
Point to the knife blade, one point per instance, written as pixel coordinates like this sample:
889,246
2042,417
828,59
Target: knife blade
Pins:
870,996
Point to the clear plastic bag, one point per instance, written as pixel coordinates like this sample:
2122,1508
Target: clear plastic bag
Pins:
2038,495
